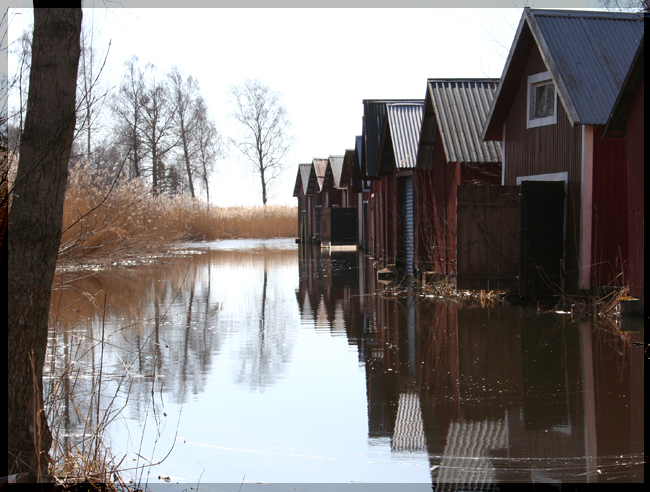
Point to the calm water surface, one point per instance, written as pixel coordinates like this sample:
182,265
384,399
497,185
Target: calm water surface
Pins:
264,362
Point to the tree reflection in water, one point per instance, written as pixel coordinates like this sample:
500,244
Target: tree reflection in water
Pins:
476,395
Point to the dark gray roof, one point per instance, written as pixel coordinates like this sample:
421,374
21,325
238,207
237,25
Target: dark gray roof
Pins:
588,55
461,107
374,112
405,121
358,147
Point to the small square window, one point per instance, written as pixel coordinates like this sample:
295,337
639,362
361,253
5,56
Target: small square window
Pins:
542,100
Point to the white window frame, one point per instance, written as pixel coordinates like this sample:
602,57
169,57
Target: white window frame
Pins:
534,81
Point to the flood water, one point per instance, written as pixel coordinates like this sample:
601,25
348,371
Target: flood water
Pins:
238,362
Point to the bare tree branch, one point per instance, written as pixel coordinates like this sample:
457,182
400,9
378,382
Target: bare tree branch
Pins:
265,139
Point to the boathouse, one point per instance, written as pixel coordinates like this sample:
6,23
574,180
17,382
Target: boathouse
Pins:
451,153
559,85
316,177
375,220
338,217
363,189
397,159
304,203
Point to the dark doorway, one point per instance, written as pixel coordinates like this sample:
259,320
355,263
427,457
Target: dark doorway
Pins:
344,226
542,237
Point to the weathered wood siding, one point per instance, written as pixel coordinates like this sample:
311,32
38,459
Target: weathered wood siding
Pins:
445,179
488,241
304,215
436,219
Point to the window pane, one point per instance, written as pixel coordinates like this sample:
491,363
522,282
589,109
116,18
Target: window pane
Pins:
550,100
544,102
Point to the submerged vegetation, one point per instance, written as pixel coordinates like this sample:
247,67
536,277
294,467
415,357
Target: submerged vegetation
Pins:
104,217
602,305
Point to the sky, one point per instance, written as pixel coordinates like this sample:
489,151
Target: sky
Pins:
323,61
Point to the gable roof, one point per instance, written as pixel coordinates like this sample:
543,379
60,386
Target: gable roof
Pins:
335,167
404,121
350,162
320,166
302,179
588,55
374,112
315,177
461,108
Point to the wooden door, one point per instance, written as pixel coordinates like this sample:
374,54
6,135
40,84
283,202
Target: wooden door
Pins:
488,239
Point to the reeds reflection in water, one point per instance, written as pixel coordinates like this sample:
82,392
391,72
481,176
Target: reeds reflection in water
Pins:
288,364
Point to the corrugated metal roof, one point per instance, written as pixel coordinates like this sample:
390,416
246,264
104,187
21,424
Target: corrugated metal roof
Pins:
587,53
374,112
349,163
302,179
320,166
591,54
305,169
336,164
405,120
461,107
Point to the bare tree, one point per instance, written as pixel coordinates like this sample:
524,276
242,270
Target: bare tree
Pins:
34,229
21,49
265,137
626,5
184,92
91,93
126,107
208,143
159,112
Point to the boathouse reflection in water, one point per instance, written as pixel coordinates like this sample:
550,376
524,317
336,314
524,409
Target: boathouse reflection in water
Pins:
492,394
239,348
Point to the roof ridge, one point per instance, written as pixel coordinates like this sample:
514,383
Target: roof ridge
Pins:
603,14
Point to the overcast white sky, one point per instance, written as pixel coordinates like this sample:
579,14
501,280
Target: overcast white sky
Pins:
323,61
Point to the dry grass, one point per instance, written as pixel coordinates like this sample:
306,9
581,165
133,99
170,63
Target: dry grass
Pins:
106,219
442,287
601,305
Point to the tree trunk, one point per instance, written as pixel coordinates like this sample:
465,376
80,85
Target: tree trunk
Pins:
263,187
35,228
207,190
154,162
186,154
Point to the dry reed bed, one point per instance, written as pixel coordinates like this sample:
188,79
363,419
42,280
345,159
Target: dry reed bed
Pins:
102,218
